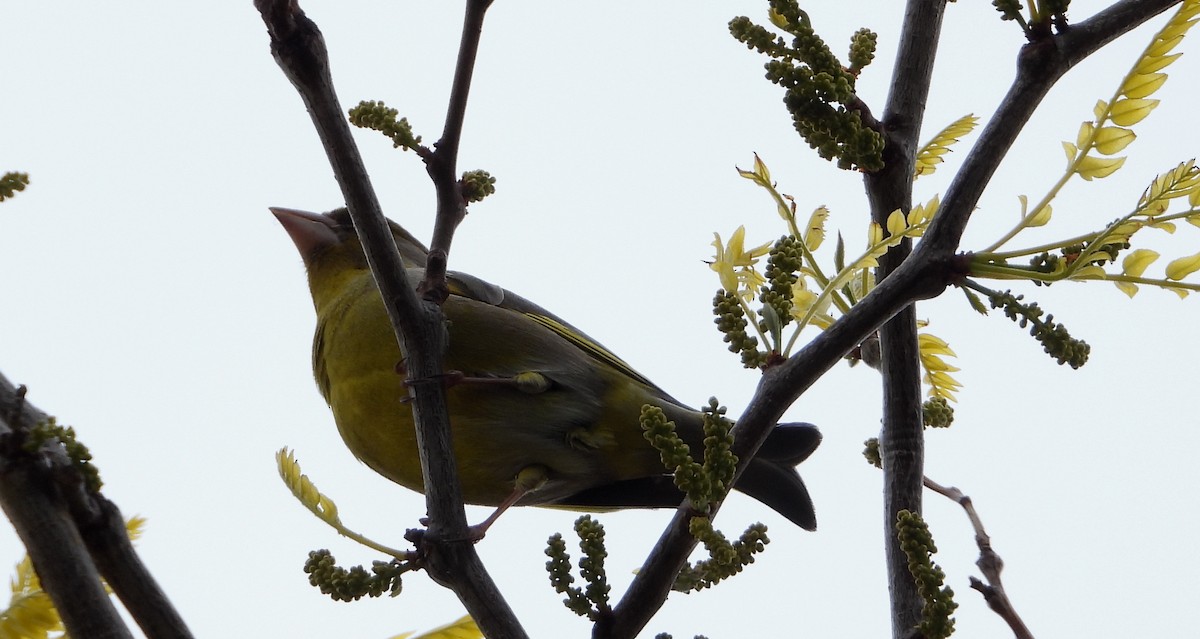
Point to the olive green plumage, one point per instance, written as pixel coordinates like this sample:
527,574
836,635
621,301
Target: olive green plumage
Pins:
536,394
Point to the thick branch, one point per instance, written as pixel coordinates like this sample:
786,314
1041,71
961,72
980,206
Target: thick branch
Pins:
108,542
902,444
299,49
902,452
34,501
1039,66
777,391
98,529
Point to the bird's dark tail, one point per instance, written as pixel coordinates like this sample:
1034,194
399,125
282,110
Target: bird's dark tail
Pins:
771,476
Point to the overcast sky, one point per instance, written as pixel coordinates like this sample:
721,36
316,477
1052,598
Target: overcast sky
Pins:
151,301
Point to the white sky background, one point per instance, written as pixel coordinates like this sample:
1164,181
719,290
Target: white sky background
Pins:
151,301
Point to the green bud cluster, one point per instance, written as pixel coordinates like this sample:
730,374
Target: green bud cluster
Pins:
1045,262
917,544
561,578
819,91
871,452
725,559
1048,13
12,182
784,260
1055,339
1009,9
76,451
591,565
731,322
477,185
353,584
719,460
1104,254
594,601
758,38
378,117
675,454
702,483
937,412
862,49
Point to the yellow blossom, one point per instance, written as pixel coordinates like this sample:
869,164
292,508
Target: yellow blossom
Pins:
735,265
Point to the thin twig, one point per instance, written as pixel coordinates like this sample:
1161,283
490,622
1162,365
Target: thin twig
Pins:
989,563
442,164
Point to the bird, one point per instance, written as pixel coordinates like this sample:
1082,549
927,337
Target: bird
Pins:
540,413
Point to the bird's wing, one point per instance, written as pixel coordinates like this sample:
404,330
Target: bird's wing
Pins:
479,290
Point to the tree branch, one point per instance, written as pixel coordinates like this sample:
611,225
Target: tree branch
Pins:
74,536
108,542
989,563
902,443
1039,65
778,389
923,275
34,503
299,48
442,165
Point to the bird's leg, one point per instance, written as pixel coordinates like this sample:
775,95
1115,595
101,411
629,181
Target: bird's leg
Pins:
528,480
526,382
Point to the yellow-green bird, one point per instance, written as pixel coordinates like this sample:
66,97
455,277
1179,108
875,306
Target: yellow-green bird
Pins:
542,415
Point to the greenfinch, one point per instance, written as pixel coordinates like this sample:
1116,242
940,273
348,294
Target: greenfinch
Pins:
540,414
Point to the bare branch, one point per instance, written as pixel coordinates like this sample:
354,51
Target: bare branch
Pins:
60,522
33,502
989,563
442,165
123,570
902,440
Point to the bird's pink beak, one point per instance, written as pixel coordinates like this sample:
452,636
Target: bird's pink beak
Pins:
310,232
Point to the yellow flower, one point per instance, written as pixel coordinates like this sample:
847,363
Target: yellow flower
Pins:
803,301
735,265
